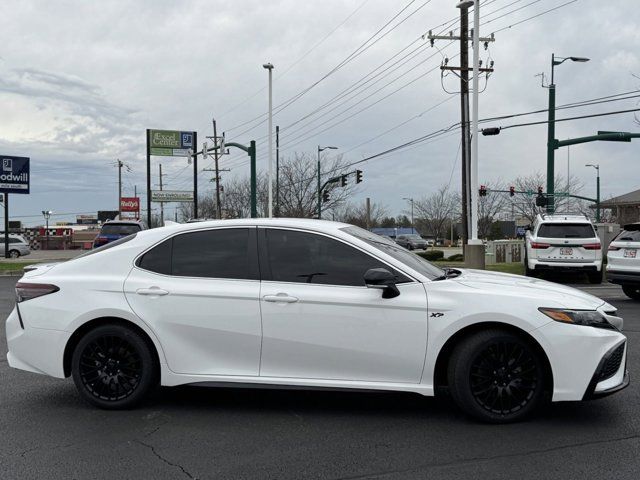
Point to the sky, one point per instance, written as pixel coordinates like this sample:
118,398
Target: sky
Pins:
81,81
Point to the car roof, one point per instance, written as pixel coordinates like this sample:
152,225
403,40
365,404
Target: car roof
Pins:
562,218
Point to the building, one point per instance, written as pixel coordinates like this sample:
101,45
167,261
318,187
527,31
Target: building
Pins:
624,208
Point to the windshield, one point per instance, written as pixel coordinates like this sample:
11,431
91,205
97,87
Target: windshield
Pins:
566,230
389,247
119,229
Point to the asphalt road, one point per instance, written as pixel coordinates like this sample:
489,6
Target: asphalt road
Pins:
46,431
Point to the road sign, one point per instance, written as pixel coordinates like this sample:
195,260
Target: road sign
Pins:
130,204
14,176
171,196
171,143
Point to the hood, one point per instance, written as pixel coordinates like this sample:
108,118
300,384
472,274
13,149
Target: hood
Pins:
550,294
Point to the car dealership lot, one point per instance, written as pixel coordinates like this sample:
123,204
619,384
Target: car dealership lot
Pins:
188,432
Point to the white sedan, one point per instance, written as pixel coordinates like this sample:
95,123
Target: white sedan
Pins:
308,304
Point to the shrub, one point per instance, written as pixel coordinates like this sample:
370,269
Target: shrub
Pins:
432,255
458,257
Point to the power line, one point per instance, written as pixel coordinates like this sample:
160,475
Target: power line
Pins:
542,122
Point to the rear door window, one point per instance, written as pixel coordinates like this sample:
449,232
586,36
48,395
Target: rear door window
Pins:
566,230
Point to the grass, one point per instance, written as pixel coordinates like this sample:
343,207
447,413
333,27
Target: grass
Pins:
515,268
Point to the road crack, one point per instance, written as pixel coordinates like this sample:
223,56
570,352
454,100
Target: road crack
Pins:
160,457
487,458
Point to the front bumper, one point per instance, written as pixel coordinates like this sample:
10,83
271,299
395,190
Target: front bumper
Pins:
611,375
577,354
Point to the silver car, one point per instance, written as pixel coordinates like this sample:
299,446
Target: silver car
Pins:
411,241
18,246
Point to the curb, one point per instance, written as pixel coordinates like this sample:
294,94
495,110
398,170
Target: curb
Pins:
11,273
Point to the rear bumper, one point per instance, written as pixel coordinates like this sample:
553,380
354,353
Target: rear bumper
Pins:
36,350
622,277
540,265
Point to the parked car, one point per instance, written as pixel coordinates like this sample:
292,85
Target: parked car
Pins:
623,260
18,246
115,230
563,243
411,241
308,304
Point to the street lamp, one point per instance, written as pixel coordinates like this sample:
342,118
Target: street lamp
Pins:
47,215
410,200
597,167
320,149
551,128
269,67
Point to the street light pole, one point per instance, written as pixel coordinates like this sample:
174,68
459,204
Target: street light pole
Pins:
269,67
597,167
320,149
474,128
410,200
47,215
551,129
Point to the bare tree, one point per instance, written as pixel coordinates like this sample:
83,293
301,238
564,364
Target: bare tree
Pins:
434,212
524,204
356,214
490,207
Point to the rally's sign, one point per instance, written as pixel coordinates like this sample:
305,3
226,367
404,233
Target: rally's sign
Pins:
171,196
130,204
171,143
14,176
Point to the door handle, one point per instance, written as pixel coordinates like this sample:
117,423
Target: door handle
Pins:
280,298
153,291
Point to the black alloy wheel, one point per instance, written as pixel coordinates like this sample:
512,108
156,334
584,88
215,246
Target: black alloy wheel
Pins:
113,367
496,376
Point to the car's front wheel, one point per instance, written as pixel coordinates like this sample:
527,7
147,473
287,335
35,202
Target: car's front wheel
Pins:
113,367
14,253
496,376
632,291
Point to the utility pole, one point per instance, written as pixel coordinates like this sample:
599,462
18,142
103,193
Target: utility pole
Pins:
216,156
269,67
463,73
277,170
217,179
368,207
120,164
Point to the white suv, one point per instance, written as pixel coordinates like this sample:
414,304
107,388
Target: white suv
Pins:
623,260
563,243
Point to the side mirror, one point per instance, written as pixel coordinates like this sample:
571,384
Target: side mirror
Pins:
382,279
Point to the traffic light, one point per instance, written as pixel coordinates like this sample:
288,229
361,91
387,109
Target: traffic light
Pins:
325,196
343,180
541,200
512,191
358,176
483,191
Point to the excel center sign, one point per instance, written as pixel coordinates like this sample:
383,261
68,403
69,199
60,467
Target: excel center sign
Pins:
171,143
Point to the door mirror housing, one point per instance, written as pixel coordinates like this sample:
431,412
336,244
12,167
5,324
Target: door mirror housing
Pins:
382,279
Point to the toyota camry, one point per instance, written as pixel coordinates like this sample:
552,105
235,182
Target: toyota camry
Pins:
308,304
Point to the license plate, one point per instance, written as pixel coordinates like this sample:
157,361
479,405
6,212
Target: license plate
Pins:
566,251
630,253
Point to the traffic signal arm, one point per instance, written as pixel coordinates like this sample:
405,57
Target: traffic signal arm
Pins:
601,136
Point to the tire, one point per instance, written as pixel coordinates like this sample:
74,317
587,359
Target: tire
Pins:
113,367
14,253
409,247
595,277
527,271
632,291
478,365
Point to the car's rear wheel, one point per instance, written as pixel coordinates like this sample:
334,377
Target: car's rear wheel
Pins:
595,277
496,376
113,367
14,253
632,291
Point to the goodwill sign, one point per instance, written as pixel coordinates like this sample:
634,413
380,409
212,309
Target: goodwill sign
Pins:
14,175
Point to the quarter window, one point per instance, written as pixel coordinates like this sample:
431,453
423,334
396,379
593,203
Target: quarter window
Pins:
309,258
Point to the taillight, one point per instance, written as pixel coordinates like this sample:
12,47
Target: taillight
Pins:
539,245
27,291
592,246
100,241
613,248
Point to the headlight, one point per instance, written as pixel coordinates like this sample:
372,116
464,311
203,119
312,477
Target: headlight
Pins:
591,318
